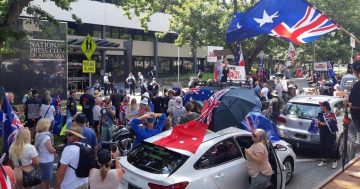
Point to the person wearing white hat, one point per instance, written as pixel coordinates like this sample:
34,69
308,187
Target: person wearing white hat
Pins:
177,111
150,104
144,107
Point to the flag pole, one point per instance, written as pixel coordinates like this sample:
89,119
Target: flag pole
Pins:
350,34
178,65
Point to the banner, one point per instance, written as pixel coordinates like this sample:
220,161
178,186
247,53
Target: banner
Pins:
211,57
320,66
237,73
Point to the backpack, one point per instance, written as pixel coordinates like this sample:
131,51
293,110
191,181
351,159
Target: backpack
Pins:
87,160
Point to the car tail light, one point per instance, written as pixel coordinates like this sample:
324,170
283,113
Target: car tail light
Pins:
181,185
281,119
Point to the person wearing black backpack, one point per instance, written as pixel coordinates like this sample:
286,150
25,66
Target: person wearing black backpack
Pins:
72,172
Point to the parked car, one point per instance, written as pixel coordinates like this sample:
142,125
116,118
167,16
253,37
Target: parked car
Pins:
219,163
347,82
299,113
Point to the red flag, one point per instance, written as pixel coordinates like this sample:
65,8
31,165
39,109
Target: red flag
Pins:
187,137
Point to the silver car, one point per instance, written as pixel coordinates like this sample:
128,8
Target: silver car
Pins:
298,115
219,163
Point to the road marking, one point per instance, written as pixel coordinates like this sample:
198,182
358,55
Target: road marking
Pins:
307,160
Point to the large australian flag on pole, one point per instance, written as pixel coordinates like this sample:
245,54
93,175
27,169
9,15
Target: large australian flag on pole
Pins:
294,20
11,123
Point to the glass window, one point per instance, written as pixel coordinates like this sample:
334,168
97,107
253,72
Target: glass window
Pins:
156,159
97,31
303,111
124,34
107,32
222,152
244,142
115,33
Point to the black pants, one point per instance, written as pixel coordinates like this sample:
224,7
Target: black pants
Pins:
132,89
327,142
107,88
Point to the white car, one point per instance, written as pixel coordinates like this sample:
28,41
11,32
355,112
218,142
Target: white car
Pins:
219,163
300,112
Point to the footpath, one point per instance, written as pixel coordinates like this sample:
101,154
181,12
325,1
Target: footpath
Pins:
342,179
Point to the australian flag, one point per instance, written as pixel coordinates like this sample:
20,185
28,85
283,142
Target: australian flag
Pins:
294,20
198,94
313,128
331,73
11,123
255,120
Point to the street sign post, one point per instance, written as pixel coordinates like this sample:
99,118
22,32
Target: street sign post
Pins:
89,66
88,47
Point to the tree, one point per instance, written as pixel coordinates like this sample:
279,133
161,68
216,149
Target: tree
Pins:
9,14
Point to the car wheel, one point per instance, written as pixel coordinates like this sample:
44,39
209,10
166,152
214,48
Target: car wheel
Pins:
289,168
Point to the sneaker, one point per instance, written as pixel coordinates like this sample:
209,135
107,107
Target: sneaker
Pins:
334,164
322,164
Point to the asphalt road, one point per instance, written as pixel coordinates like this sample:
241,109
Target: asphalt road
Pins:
307,175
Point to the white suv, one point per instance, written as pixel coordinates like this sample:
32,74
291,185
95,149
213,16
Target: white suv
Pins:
299,113
219,163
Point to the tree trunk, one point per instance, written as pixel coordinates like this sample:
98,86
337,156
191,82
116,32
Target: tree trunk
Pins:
261,42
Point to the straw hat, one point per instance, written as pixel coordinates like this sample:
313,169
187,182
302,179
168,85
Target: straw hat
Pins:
75,130
96,93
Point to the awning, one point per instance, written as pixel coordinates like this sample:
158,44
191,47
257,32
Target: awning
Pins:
101,44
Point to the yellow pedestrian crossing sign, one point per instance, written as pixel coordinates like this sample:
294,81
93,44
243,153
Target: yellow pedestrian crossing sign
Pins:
89,66
88,47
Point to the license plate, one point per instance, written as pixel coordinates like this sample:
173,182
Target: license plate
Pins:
130,186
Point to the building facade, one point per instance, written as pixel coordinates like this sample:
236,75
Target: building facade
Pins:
122,45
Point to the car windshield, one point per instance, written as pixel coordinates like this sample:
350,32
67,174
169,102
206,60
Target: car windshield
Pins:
303,111
348,84
156,159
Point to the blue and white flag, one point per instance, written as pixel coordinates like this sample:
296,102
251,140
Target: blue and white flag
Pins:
331,73
255,120
313,128
294,20
11,123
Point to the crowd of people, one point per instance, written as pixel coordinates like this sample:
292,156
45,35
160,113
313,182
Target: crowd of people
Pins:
157,110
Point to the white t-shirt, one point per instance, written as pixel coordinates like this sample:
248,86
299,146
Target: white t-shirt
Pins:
96,112
44,155
279,88
50,114
29,152
264,92
71,155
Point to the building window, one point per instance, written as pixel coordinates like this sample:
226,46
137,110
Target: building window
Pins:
115,33
164,65
124,34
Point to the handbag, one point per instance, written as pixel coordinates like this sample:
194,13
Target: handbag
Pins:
31,178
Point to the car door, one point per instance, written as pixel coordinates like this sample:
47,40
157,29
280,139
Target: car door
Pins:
279,175
227,165
339,111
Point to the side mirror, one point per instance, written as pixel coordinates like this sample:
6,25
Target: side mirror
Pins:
280,147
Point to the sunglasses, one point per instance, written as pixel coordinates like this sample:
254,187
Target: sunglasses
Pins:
69,134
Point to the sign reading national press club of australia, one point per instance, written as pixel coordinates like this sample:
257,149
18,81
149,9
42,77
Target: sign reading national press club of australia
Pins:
41,49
